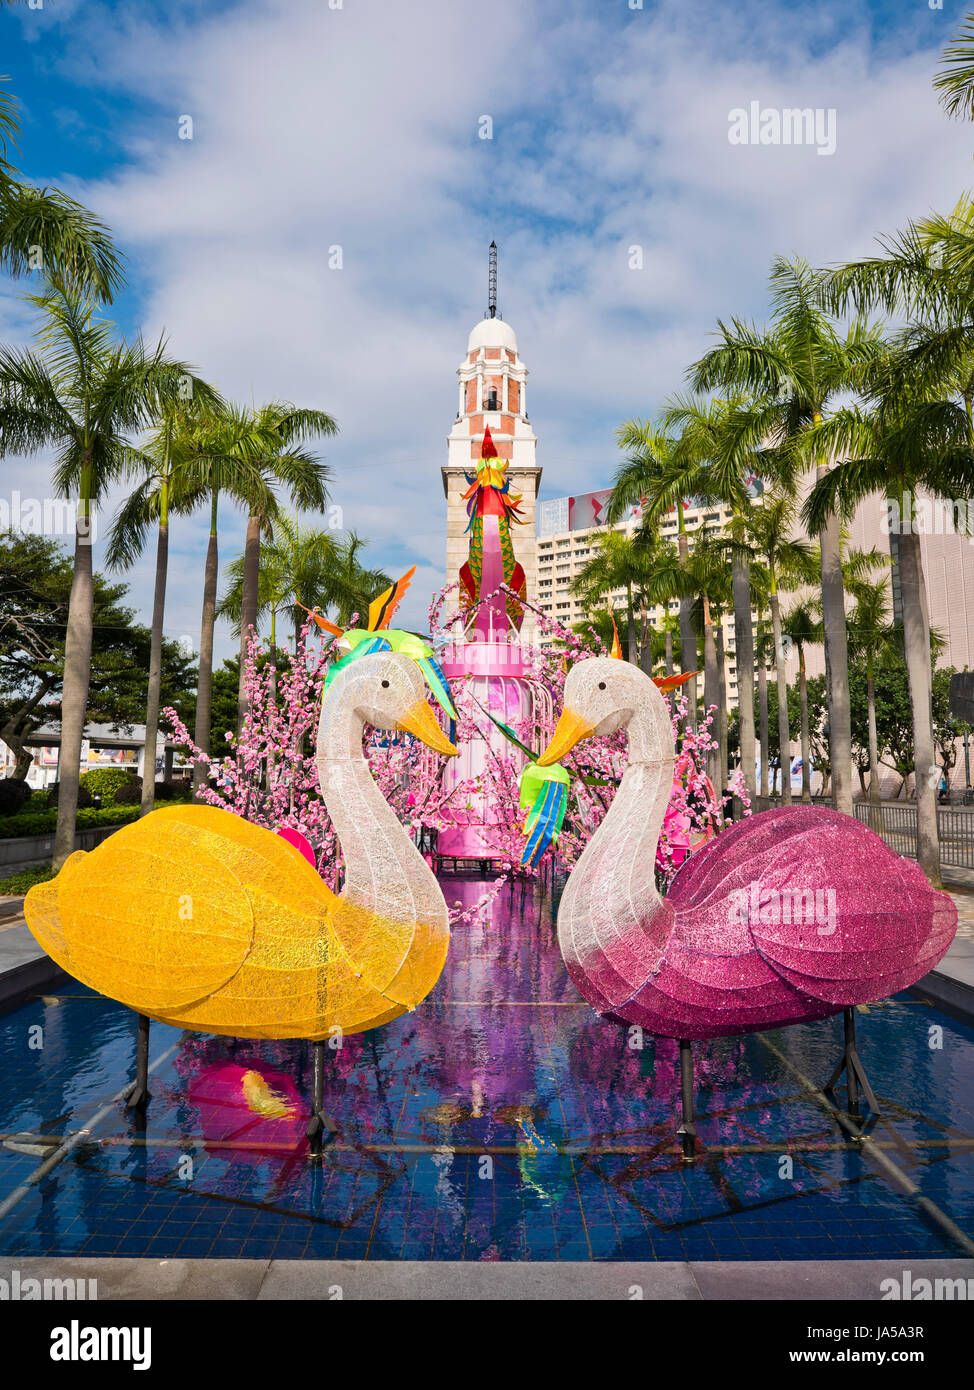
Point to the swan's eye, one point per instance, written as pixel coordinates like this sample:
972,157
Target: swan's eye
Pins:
385,685
601,685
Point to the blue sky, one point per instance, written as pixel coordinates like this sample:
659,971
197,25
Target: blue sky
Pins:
358,126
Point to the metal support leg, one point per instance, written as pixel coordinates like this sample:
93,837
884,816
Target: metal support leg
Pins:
855,1074
138,1097
852,1088
688,1129
321,1127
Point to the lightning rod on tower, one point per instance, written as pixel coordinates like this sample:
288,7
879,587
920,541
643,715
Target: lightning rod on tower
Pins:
492,282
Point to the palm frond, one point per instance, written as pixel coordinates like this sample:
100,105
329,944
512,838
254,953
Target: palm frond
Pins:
954,83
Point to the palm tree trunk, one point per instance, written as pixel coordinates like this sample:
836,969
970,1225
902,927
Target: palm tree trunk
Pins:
836,662
806,740
155,659
873,742
744,656
916,637
668,639
711,689
272,687
204,689
688,638
77,675
784,735
721,706
632,650
248,608
763,724
645,645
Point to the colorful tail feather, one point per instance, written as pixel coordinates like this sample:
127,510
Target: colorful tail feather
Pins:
547,789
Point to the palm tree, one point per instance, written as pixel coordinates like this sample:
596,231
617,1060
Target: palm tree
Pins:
612,567
906,442
348,586
767,532
955,81
221,454
162,491
304,478
719,458
299,567
650,451
802,626
82,394
794,370
704,579
871,635
764,655
42,229
927,273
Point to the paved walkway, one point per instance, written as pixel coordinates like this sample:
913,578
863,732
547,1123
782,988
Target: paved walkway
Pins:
11,912
507,1281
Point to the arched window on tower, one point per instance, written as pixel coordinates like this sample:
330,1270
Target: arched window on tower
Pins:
491,402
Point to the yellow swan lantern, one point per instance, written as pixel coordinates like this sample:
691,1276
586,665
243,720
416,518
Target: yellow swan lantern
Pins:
199,919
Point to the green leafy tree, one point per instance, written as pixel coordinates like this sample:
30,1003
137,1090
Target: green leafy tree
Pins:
35,588
904,441
650,456
83,394
638,564
802,627
794,370
285,464
162,491
767,533
719,458
304,568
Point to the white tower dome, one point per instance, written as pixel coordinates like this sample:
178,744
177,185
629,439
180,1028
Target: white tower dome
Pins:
492,333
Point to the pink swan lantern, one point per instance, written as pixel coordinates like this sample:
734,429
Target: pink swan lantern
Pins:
791,915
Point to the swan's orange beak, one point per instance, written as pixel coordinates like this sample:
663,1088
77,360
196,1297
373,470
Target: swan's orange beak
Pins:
421,721
570,729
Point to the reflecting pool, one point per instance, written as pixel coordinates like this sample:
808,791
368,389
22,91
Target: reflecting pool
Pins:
500,1121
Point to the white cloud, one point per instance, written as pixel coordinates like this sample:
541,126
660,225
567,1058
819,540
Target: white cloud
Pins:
358,127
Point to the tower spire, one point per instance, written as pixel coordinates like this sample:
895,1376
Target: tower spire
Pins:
491,281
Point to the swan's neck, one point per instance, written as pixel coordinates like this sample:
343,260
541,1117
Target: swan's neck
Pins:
614,881
384,872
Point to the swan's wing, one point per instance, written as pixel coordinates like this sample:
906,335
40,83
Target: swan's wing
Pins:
156,917
43,915
380,964
864,922
829,907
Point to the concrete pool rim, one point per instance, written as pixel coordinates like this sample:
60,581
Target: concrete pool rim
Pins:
135,1279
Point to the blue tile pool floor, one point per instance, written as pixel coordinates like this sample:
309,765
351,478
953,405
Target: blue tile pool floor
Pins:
500,1121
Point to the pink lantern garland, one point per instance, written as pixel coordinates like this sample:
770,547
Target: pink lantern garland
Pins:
268,775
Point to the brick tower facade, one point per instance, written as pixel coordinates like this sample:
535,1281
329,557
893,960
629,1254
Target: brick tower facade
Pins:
492,383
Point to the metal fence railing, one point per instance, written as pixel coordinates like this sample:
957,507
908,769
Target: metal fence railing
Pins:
766,803
897,824
956,838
